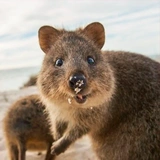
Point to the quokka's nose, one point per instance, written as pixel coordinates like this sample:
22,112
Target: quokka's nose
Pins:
77,82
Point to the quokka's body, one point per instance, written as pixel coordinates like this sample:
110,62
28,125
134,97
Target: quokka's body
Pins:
113,96
26,128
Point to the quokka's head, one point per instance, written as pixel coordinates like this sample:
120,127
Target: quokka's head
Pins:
74,72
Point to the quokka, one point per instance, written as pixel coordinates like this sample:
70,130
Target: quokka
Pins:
113,96
26,128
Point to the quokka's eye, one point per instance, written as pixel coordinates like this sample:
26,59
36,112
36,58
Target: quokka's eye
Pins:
59,62
90,60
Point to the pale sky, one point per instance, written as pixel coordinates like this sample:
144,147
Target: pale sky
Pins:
130,25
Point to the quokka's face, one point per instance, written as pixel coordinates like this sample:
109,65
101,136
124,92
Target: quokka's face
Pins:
74,72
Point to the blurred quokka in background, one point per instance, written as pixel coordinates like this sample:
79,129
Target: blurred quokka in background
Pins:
113,96
26,128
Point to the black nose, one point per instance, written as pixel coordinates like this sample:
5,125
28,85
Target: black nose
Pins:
77,82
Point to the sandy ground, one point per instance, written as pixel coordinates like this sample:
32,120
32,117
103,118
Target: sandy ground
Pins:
80,150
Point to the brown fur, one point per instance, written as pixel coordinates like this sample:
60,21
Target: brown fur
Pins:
119,103
26,128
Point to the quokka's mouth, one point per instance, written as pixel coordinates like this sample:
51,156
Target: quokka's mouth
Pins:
80,98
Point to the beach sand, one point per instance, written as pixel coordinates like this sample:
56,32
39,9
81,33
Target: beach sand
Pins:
80,150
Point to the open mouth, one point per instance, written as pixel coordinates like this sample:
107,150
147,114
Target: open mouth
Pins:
80,98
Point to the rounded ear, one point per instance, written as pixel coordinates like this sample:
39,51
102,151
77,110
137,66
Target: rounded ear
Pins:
47,36
95,31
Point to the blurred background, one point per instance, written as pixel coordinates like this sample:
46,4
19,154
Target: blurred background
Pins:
131,25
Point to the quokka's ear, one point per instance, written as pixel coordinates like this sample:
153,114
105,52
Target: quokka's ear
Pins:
95,31
47,37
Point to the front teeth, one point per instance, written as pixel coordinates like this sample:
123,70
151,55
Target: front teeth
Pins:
77,90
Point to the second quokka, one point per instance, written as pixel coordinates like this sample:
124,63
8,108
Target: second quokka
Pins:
113,96
26,128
